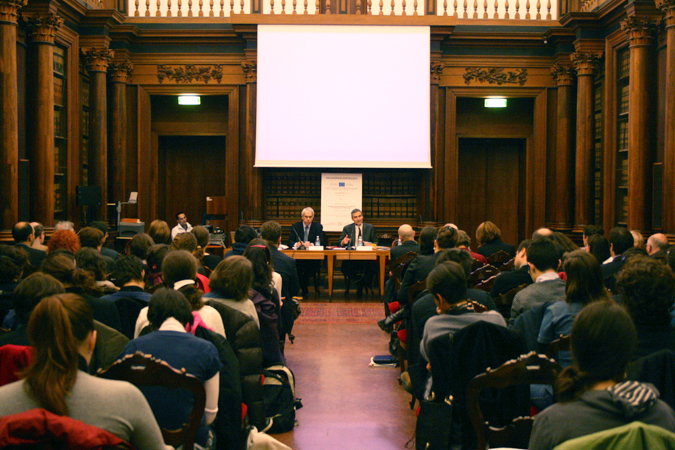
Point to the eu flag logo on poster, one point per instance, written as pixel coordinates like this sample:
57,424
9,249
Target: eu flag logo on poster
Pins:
341,184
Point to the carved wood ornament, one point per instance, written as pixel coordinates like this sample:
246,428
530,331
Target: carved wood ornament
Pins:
436,72
9,10
190,72
495,75
250,70
43,27
563,75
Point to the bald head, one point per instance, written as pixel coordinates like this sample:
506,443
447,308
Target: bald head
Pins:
542,233
406,232
657,242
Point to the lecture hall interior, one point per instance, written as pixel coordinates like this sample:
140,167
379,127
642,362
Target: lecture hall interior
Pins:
89,90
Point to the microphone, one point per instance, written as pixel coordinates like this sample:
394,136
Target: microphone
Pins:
301,246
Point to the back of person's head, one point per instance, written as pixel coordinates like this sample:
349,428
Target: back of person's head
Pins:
406,232
92,261
232,278
458,255
584,278
598,246
634,252
271,232
463,239
127,268
179,265
100,225
487,232
38,229
57,328
160,232
638,239
544,254
592,230
446,237
427,238
602,342
13,261
647,287
91,237
244,234
620,239
524,244
542,233
64,239
155,257
258,253
22,231
139,245
448,280
564,243
61,265
188,241
167,303
31,290
64,225
202,235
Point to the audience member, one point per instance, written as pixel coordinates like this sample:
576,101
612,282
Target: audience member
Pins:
154,258
598,246
106,251
428,240
543,259
203,238
182,225
64,225
657,246
564,243
266,301
464,242
61,331
94,262
13,262
231,282
139,245
92,237
39,233
169,313
542,233
242,237
647,287
638,239
24,236
160,232
406,235
188,242
592,394
363,272
512,279
620,240
129,277
64,240
591,230
490,242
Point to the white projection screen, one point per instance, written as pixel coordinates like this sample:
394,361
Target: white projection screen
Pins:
343,96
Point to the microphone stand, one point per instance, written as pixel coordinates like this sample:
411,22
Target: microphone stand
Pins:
301,246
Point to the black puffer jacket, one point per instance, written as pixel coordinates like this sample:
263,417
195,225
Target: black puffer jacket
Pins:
244,336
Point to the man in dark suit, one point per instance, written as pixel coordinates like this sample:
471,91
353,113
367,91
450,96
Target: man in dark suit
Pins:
24,236
520,275
304,234
285,266
406,234
620,240
361,271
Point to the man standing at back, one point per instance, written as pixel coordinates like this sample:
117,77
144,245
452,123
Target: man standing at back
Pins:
361,271
182,225
303,234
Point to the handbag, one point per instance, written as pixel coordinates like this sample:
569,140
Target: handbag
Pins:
433,429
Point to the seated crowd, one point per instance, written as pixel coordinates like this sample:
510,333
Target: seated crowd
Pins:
71,310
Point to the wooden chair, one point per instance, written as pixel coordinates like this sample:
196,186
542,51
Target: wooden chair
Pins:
154,288
415,290
528,369
4,331
207,271
507,266
475,265
486,285
559,345
397,267
482,274
504,301
499,258
144,370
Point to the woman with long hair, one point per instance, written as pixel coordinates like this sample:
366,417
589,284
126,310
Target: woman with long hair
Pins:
231,282
61,331
598,246
593,395
160,232
266,300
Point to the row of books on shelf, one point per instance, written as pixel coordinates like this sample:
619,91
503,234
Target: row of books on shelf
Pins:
622,173
279,207
297,185
398,185
58,90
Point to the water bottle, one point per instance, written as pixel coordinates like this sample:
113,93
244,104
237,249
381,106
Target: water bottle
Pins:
359,242
317,242
399,241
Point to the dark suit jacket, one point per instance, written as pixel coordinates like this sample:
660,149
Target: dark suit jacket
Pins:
492,247
506,281
298,233
418,270
407,246
610,270
34,256
284,265
369,233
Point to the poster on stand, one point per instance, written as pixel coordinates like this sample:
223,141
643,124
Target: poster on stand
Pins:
340,194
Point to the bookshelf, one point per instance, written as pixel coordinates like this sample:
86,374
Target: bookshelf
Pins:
387,194
60,134
622,83
84,125
598,108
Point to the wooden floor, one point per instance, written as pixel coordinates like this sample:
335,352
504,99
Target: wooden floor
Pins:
347,404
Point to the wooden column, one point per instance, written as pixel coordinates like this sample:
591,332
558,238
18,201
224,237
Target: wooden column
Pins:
640,138
97,60
42,28
434,210
668,7
9,116
120,76
252,192
564,159
585,63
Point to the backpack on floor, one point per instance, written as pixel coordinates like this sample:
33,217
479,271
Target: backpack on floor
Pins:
280,400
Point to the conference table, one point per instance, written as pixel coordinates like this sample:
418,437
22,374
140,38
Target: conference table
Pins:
331,255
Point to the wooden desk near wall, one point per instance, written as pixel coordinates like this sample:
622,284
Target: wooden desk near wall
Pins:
331,256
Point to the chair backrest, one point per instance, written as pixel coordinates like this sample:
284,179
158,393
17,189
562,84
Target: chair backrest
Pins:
154,288
482,274
559,345
475,265
486,285
658,369
504,301
509,265
528,369
4,331
397,267
144,370
415,290
499,258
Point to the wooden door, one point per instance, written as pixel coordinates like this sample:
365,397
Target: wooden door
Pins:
190,169
491,186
